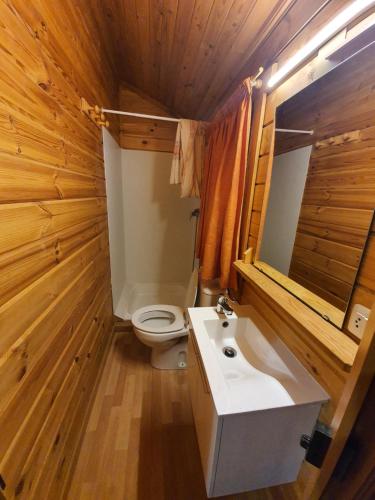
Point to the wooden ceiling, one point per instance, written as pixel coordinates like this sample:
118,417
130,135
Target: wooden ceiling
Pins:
191,54
188,53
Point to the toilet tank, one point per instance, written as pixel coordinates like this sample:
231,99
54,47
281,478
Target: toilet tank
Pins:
209,291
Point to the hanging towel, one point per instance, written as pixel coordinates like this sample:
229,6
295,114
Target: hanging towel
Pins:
188,157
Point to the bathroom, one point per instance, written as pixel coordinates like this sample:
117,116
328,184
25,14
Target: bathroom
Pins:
187,249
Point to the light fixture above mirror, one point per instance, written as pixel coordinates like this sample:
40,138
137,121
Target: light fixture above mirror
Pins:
323,35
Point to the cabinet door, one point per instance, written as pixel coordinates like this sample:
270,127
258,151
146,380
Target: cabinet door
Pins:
205,417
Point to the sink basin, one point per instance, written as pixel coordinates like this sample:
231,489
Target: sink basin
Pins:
262,374
252,401
250,367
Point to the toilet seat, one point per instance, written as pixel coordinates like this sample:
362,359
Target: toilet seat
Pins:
174,313
163,327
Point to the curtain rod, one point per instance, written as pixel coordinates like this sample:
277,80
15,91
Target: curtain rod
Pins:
141,115
293,131
254,82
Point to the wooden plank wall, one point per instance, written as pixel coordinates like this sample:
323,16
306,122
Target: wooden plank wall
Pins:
262,173
55,292
140,133
334,220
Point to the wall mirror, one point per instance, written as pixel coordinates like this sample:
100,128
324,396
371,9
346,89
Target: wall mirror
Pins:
319,209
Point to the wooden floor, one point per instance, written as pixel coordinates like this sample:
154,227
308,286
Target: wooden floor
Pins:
140,442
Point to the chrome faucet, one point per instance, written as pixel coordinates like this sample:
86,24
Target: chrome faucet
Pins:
222,306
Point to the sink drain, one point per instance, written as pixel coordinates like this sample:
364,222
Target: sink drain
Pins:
229,352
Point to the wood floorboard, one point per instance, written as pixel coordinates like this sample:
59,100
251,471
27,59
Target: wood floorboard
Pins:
140,441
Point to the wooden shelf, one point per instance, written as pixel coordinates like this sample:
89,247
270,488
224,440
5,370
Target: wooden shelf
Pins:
312,300
340,346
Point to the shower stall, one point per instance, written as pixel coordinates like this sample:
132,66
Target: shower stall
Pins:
151,230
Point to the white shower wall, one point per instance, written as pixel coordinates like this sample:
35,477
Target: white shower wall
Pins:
113,180
289,172
155,228
158,230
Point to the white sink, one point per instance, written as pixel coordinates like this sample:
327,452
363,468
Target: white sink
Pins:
264,373
250,410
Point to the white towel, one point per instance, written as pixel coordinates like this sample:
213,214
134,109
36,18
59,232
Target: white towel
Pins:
188,157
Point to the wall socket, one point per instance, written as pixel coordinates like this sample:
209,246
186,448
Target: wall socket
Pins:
358,320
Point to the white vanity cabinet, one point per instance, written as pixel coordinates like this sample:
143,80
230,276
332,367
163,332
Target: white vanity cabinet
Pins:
205,417
241,449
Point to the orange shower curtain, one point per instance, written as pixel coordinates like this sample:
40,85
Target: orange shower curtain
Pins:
223,187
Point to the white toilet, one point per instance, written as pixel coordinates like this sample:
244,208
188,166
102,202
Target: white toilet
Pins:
164,328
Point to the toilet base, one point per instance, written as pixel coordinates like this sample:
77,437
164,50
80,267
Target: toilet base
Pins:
170,358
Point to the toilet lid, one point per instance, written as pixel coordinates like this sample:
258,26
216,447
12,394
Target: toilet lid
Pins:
174,315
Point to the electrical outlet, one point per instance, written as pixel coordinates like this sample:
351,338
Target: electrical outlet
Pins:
358,320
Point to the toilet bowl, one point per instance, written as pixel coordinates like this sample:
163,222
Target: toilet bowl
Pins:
164,328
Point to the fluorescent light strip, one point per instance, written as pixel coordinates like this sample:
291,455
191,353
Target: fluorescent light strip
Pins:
339,22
